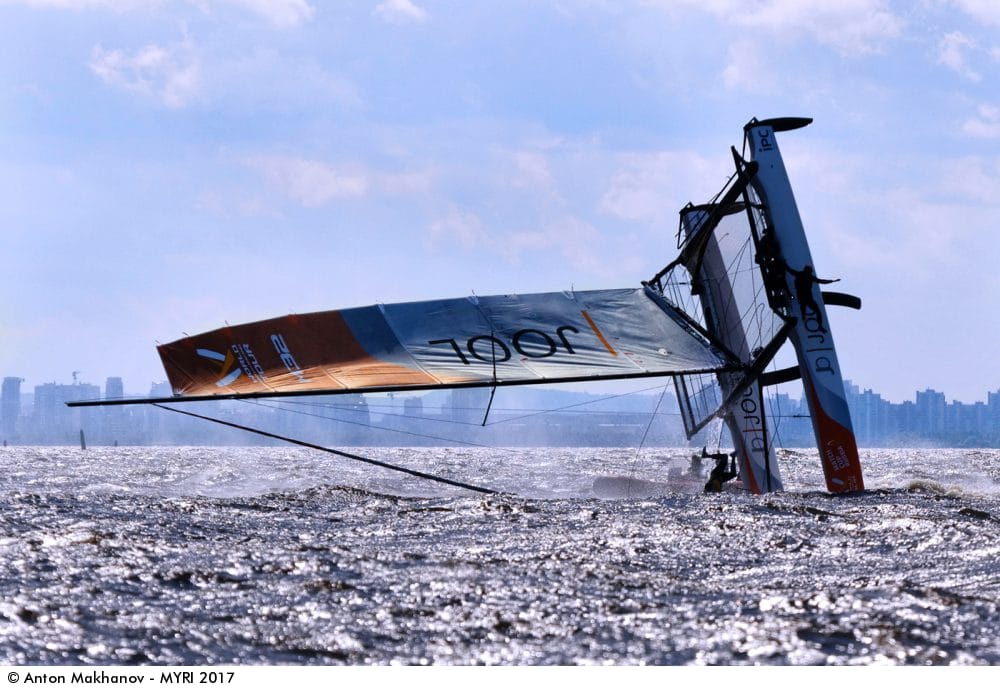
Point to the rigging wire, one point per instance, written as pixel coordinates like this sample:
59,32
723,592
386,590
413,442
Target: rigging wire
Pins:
775,402
347,407
279,407
335,452
576,405
451,440
368,424
746,301
645,433
493,391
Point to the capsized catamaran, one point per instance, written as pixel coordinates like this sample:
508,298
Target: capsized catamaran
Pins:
713,319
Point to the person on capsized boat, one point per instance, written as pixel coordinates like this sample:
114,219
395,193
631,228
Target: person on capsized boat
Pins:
721,474
718,456
772,266
804,281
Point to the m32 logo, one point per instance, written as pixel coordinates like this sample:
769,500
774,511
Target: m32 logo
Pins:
287,359
240,361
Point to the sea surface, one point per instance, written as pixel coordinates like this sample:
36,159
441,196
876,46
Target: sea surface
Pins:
280,555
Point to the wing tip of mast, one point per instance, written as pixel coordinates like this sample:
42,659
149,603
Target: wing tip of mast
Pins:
784,124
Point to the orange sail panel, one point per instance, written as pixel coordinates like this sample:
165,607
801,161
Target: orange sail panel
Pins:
601,334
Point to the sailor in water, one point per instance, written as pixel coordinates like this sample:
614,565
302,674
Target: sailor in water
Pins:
720,473
804,281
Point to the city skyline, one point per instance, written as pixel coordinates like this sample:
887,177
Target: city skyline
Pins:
41,417
161,388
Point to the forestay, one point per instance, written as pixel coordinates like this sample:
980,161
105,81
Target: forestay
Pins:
502,339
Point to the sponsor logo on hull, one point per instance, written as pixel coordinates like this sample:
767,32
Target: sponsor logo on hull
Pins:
837,448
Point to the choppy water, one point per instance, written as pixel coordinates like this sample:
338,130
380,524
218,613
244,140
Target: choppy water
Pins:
274,555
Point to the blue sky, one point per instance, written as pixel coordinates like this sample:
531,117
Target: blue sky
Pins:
167,166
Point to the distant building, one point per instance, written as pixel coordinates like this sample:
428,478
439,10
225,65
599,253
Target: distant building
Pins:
57,423
931,412
160,426
466,406
114,388
413,407
116,417
993,417
10,407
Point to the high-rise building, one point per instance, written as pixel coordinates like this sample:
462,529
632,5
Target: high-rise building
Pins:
10,407
993,416
54,420
115,416
931,412
467,405
114,388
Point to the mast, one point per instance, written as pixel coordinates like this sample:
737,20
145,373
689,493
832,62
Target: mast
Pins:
745,418
811,336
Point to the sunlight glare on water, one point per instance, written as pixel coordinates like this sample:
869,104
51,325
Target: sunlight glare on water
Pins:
280,555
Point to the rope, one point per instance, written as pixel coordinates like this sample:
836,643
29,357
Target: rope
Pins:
577,405
335,452
564,409
528,411
368,424
642,441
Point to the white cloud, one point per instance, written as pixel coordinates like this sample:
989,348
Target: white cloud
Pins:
406,183
932,240
265,79
849,26
314,183
400,11
746,68
260,80
574,239
952,53
648,187
170,75
461,226
226,203
985,124
871,215
985,11
972,178
280,13
311,183
532,170
119,5
579,243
